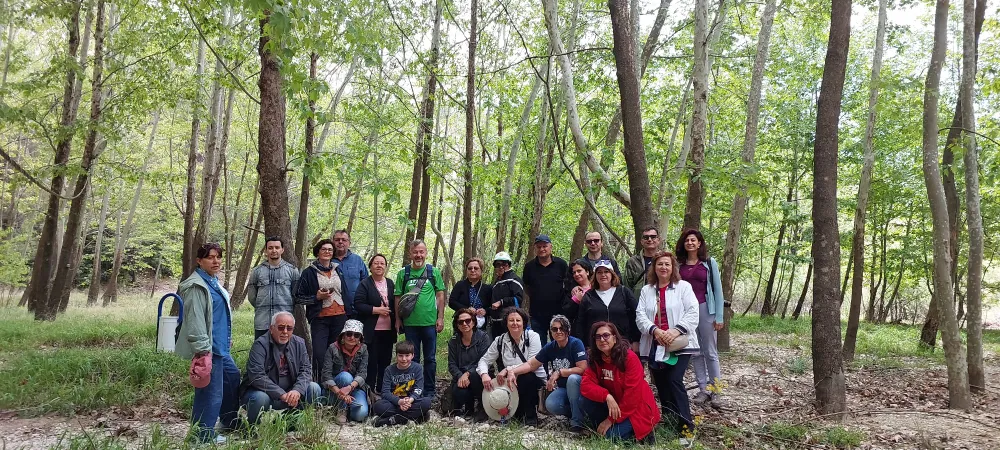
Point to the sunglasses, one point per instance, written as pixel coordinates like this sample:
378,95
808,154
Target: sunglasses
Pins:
649,237
604,336
353,334
285,327
593,241
464,321
557,329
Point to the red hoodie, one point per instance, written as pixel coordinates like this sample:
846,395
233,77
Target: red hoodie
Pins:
638,404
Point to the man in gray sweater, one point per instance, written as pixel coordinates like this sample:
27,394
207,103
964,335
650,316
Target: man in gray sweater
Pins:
279,371
402,391
271,286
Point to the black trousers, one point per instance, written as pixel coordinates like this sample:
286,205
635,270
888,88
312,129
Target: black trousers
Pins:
527,391
669,381
325,331
466,397
380,356
384,408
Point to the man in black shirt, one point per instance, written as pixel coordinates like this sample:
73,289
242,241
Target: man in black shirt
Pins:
544,281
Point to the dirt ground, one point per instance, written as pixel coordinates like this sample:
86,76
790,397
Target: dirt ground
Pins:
895,408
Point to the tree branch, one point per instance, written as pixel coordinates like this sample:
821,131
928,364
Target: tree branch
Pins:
34,180
239,83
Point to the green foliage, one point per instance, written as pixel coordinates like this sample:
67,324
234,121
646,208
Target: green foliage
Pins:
840,437
787,432
798,365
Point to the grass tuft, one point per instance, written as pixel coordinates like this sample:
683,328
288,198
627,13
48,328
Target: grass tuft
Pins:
786,431
841,437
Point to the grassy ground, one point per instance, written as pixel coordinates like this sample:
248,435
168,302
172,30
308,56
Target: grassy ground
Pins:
97,361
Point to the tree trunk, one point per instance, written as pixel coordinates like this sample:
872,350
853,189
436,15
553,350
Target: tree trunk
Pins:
187,257
628,86
955,357
858,240
515,146
95,278
302,222
769,308
65,273
802,297
273,182
543,164
46,254
974,286
738,211
357,189
247,255
121,241
468,250
828,367
695,196
572,114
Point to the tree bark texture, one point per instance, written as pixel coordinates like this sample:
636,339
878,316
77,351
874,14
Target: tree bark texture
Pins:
95,279
695,196
301,225
828,366
955,357
628,87
46,254
468,250
864,187
515,147
190,206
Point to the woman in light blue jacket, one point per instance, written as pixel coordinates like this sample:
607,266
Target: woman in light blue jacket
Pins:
702,272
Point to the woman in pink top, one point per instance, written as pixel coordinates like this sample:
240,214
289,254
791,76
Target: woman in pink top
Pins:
377,312
580,271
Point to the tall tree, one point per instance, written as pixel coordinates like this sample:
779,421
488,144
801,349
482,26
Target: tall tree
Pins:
695,196
46,255
470,118
738,210
515,146
95,278
858,239
628,88
958,382
828,367
187,256
974,287
420,182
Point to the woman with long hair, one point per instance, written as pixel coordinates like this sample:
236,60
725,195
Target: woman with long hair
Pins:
667,317
702,272
376,310
509,351
580,272
616,400
466,347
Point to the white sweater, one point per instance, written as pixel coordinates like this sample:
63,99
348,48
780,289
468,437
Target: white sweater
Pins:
682,313
530,345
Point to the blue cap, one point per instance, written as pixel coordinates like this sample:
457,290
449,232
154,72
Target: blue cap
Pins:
543,238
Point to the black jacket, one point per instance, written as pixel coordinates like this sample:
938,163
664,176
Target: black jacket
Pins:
508,290
462,359
262,366
459,297
366,298
621,312
305,293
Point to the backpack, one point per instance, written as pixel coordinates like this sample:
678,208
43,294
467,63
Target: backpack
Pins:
408,301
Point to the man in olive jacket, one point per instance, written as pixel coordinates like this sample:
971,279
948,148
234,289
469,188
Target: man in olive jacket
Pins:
279,371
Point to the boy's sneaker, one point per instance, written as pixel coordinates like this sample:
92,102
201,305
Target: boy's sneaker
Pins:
386,421
701,398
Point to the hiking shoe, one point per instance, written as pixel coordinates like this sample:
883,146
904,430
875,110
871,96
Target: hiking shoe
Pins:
718,403
481,416
578,431
531,421
389,421
342,417
701,398
220,440
686,442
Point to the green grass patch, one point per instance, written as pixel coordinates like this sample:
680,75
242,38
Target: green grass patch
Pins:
798,365
74,379
770,325
840,437
786,431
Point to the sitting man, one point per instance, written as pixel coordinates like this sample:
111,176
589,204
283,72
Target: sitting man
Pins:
402,391
279,371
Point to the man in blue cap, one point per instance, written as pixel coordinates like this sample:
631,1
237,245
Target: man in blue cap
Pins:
544,282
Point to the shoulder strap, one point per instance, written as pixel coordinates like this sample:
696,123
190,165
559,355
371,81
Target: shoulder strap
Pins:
517,349
429,274
406,275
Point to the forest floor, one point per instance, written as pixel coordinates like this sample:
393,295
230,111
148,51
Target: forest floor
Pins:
92,380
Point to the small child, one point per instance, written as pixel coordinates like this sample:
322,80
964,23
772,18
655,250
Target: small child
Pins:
402,389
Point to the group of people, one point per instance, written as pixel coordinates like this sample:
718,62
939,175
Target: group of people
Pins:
575,336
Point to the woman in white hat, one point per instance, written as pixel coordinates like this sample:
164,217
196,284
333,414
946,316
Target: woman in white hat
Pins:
344,373
509,351
667,318
508,290
608,301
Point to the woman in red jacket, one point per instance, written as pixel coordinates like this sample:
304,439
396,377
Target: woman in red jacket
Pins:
615,396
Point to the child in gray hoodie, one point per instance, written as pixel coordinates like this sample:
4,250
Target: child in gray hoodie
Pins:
402,391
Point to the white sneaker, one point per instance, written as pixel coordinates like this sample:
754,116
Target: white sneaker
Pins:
221,440
686,443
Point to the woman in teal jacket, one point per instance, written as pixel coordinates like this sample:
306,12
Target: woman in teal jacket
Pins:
702,272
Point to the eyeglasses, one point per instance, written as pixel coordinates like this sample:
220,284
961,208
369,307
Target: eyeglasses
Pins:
473,268
593,241
464,321
649,237
556,329
353,334
285,327
326,249
604,336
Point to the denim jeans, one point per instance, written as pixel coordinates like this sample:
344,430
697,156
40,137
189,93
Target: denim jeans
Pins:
425,339
358,411
594,413
566,401
257,402
218,400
